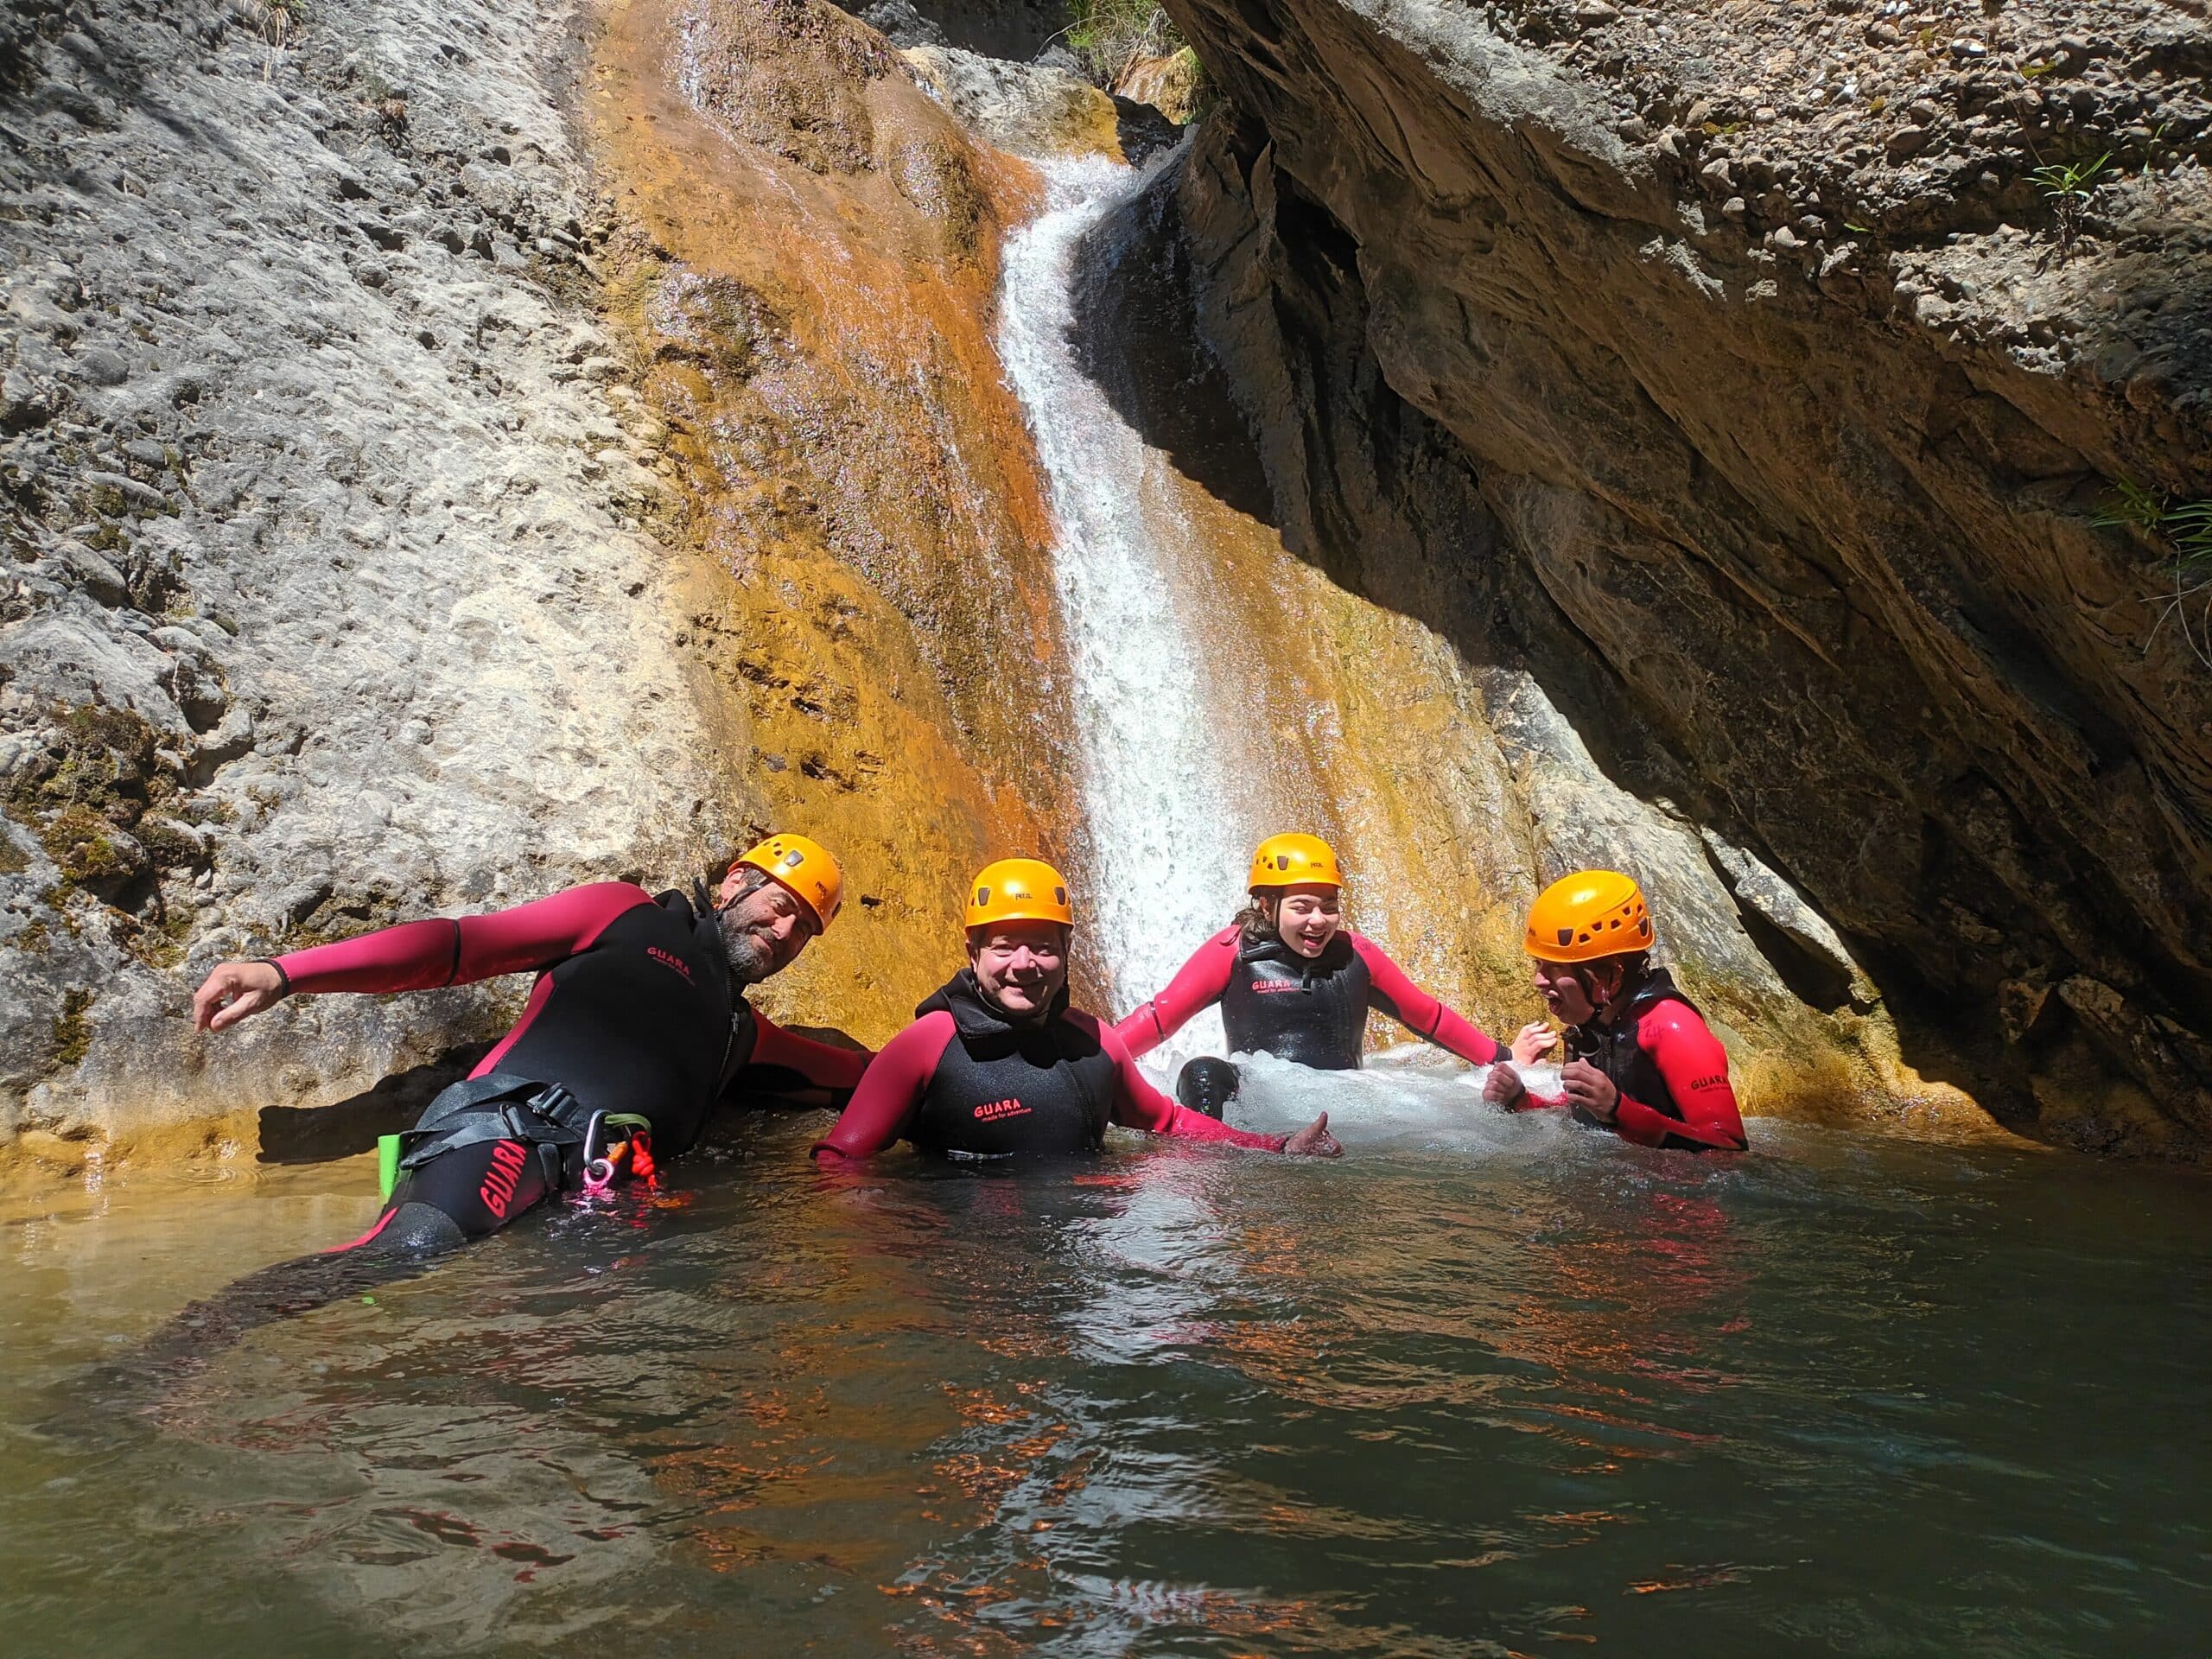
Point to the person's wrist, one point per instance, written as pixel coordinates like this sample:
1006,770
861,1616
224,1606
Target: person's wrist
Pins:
283,979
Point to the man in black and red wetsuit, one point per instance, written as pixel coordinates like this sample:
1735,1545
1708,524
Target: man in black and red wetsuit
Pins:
1642,1062
997,1064
637,1027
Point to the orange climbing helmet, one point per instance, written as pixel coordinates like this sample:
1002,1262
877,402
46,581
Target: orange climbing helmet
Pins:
805,869
1018,890
1293,860
1590,914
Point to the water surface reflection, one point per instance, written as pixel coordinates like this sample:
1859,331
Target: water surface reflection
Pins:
1487,1386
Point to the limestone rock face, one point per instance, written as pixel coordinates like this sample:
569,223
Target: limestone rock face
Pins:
1794,395
1029,109
1172,84
329,596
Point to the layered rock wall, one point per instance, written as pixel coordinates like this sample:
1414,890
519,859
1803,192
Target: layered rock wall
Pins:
1794,406
805,274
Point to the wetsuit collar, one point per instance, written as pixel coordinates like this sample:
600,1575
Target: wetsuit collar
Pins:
699,909
975,1014
1657,985
1270,947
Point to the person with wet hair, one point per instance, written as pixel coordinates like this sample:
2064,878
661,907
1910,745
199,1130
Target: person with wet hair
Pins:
996,1064
1641,1061
1294,982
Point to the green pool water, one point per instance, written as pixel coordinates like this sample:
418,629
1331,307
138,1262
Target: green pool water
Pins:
1484,1387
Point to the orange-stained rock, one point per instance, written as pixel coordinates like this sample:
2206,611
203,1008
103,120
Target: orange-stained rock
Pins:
809,281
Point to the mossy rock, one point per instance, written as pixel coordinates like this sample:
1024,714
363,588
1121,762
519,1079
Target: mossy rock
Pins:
91,851
104,761
72,1033
169,845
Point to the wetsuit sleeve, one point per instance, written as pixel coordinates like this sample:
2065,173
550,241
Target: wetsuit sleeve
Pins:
1419,1012
1138,1105
1198,985
1695,1067
889,1092
822,1064
416,955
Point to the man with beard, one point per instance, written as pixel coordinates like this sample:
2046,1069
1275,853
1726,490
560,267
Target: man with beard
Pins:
637,1027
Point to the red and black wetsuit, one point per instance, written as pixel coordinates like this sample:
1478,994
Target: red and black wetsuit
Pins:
1671,1071
1312,1010
964,1079
634,1011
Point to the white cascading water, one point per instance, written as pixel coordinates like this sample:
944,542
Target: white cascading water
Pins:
1165,857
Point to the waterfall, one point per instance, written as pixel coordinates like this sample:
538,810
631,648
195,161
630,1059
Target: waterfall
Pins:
1165,856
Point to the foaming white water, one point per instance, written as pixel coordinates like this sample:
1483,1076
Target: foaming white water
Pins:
1162,851
1406,1097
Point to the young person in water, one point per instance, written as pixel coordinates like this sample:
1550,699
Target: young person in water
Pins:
637,1027
997,1064
1294,982
1641,1060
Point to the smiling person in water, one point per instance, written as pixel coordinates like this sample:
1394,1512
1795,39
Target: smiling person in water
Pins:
637,1027
1294,982
997,1064
1641,1060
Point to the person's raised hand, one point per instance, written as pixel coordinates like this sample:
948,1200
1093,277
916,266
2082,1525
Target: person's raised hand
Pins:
1503,1086
1590,1089
234,991
1535,1038
1314,1140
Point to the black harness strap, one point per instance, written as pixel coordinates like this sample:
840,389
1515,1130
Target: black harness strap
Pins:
500,1106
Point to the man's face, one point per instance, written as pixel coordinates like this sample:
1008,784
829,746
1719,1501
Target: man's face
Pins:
763,931
1020,966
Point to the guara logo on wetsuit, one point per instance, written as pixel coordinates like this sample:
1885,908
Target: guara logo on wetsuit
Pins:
998,1088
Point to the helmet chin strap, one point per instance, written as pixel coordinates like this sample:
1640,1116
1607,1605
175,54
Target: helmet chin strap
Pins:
1597,996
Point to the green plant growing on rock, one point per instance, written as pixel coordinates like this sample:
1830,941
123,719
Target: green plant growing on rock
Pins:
1109,36
2070,186
2186,531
